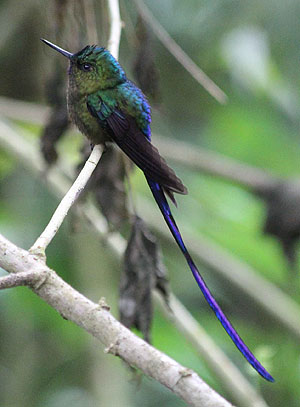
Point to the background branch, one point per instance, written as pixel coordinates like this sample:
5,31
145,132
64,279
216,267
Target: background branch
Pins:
212,163
179,54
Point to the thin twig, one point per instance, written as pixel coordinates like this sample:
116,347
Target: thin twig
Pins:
115,27
118,340
179,54
68,200
28,154
28,112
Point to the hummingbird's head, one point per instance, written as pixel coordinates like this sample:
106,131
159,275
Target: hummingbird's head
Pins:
93,68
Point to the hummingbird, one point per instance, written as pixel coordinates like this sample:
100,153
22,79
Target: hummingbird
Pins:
107,107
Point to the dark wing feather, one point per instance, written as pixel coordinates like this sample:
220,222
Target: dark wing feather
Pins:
126,134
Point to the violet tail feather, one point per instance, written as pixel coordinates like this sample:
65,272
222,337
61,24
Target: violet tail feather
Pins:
162,202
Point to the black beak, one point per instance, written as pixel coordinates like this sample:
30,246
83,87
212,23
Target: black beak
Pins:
60,50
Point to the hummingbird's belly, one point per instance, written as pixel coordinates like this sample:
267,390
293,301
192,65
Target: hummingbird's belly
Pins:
86,123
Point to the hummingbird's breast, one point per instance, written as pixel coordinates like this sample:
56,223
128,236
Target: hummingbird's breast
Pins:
82,118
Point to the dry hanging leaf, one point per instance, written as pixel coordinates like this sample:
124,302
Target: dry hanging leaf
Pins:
143,271
108,186
283,217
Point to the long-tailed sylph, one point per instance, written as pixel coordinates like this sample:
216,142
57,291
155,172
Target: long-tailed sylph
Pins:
106,106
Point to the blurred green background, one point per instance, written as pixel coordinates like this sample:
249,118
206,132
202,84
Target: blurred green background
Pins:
251,50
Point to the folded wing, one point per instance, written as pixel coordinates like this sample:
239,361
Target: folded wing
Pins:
125,133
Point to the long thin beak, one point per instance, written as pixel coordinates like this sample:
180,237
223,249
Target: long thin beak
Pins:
62,51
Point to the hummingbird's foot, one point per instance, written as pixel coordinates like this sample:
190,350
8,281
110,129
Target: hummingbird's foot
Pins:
105,147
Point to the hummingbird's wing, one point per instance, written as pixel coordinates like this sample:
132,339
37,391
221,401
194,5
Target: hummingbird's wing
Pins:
125,133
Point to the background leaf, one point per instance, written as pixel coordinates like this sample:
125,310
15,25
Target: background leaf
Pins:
143,271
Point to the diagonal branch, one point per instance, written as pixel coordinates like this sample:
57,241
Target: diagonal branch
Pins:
118,340
179,54
68,200
200,159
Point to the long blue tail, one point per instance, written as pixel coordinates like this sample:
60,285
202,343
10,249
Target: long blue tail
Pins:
166,212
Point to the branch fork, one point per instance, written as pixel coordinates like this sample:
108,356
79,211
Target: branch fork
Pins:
101,324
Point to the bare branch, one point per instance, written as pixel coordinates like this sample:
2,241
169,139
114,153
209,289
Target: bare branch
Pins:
68,200
118,340
115,27
179,54
28,112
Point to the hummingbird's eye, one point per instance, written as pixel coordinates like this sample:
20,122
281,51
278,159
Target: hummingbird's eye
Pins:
85,67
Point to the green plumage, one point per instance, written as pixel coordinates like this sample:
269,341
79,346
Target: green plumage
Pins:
103,87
